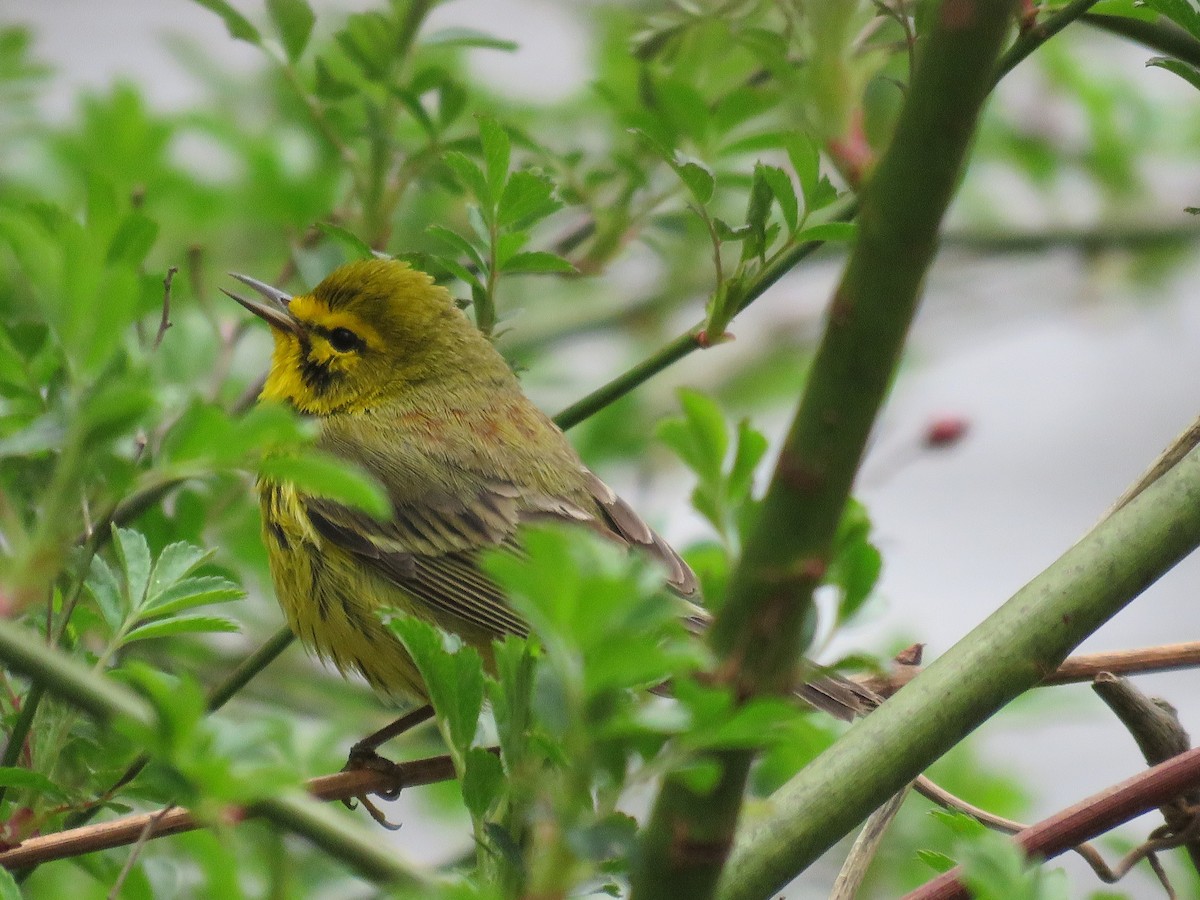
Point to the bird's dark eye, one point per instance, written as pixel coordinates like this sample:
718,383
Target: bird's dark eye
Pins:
343,340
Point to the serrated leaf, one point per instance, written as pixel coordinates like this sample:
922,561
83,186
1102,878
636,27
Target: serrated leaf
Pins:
454,680
1183,13
102,584
174,562
355,246
706,424
27,779
784,193
134,554
181,625
1187,72
536,261
829,231
806,163
758,207
698,178
482,781
294,19
750,449
469,175
467,37
527,197
329,477
496,152
202,590
458,243
239,26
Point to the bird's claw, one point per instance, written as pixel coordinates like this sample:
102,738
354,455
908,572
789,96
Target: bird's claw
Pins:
365,757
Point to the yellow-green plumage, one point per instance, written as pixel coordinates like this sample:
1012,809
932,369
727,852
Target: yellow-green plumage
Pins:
406,387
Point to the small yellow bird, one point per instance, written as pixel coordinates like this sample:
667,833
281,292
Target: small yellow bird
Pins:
406,387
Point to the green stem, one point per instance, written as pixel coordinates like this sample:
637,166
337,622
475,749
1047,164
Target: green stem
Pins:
685,343
767,612
1026,43
1162,35
1012,650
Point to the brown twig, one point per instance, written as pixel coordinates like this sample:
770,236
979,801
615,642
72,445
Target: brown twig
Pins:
1078,668
165,321
128,829
1091,817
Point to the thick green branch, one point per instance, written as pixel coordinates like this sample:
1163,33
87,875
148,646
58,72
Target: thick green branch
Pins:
1162,35
1009,652
767,612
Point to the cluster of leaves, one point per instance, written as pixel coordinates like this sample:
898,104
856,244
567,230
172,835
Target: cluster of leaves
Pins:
708,148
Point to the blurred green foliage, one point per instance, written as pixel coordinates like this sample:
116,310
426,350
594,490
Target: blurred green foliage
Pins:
711,142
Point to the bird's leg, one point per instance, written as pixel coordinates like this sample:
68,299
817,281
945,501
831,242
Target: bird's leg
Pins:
363,755
364,750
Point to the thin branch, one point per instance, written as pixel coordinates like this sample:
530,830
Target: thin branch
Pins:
1090,818
685,343
126,830
165,322
1141,660
866,845
1032,38
1162,35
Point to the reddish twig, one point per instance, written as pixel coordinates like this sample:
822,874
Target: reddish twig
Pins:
130,829
1091,817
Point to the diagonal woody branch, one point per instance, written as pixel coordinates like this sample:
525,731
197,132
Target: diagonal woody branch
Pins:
767,614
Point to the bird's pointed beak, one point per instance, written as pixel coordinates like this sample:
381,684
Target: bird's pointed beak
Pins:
275,311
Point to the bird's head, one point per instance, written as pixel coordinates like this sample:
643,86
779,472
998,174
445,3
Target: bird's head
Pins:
368,331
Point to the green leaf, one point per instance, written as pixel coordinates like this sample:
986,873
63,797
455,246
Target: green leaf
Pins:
469,175
829,231
201,590
936,860
294,19
698,178
9,889
134,554
1182,12
496,152
784,193
806,162
1188,73
758,207
536,261
329,86
482,781
328,476
751,447
134,238
368,39
102,584
453,679
238,25
355,247
458,243
527,197
26,779
181,625
174,562
709,434
467,37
